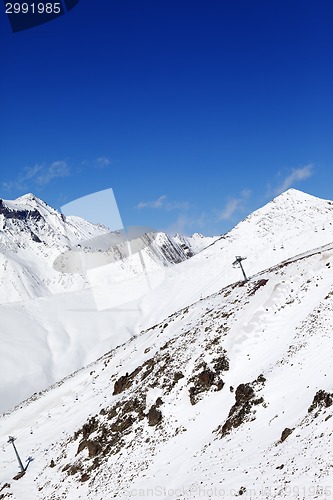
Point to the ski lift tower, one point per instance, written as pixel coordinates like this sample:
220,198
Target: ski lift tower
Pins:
239,262
11,440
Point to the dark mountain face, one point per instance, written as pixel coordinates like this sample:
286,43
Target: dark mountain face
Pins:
18,214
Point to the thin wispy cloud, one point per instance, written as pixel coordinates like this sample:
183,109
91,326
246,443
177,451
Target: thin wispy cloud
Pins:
178,226
99,163
102,162
233,205
30,172
296,175
56,170
23,179
37,175
163,203
229,210
152,204
186,224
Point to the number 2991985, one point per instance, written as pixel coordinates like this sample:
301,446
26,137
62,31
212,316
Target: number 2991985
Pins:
33,8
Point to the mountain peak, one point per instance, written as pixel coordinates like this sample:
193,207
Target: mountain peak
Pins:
295,194
25,202
29,198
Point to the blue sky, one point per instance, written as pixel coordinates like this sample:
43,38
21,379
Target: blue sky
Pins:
194,112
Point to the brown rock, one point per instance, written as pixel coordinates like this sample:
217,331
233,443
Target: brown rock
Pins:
221,364
285,433
122,425
322,399
121,384
244,392
154,416
206,378
125,381
177,376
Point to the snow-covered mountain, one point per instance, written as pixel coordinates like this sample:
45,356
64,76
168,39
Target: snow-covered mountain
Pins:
52,334
33,236
51,322
229,396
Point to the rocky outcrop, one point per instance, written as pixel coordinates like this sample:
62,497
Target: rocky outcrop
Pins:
208,378
154,416
285,433
321,400
243,409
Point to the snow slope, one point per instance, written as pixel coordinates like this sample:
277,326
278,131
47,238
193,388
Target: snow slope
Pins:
230,396
45,338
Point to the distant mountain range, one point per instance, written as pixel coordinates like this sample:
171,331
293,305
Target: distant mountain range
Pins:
33,235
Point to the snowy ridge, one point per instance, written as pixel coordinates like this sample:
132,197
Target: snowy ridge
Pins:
229,396
33,235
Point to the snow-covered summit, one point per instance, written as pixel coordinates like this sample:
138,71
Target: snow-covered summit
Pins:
291,206
291,223
26,199
295,195
26,203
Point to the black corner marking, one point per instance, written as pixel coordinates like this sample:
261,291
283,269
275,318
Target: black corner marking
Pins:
32,13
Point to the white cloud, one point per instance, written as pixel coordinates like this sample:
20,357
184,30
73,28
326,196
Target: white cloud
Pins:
229,210
163,203
178,226
232,205
297,175
24,178
152,204
55,170
102,162
30,172
37,175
